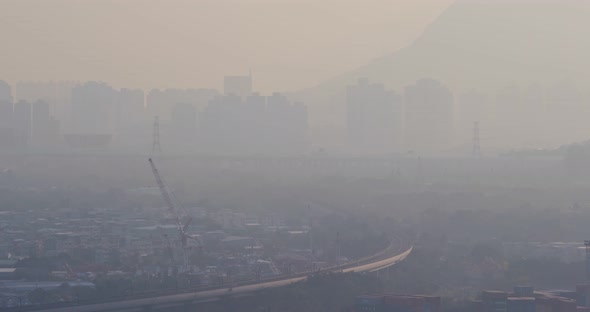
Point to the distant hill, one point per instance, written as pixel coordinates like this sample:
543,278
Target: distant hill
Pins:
477,44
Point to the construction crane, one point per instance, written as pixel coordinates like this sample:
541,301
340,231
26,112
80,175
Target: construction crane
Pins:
171,207
173,211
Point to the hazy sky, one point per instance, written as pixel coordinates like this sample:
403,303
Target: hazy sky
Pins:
288,44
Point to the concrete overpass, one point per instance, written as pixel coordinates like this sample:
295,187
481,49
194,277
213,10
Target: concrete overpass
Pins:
186,300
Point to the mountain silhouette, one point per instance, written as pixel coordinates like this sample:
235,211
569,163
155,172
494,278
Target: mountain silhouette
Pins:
479,44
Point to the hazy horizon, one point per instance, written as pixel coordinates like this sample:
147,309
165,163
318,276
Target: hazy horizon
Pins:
288,45
495,62
295,155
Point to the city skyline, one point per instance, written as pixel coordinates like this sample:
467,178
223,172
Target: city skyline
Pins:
379,121
295,155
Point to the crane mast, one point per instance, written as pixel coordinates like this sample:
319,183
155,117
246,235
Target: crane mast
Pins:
162,186
168,201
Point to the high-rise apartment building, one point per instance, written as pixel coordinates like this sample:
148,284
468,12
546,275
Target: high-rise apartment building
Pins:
428,117
6,115
237,85
374,119
92,108
22,123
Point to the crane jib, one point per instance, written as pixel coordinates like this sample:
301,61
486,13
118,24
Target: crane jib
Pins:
168,201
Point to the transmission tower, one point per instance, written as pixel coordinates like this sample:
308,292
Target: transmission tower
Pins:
156,137
476,140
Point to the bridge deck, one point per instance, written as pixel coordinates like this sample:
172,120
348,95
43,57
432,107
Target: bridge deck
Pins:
377,262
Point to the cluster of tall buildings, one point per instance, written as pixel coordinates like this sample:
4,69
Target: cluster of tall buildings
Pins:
254,125
530,116
95,115
424,119
427,118
380,121
237,121
23,123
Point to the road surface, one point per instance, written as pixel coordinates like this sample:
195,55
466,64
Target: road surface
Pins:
378,262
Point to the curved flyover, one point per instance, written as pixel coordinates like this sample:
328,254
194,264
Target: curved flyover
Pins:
378,262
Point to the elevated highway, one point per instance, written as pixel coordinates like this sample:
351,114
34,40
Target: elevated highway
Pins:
185,300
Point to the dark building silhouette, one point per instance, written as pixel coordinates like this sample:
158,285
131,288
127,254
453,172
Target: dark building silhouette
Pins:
132,122
508,104
429,117
6,105
287,125
184,117
473,106
5,92
22,123
254,126
57,94
374,119
159,103
219,126
254,117
41,124
183,126
6,115
54,135
162,102
130,109
559,109
567,113
92,108
237,85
